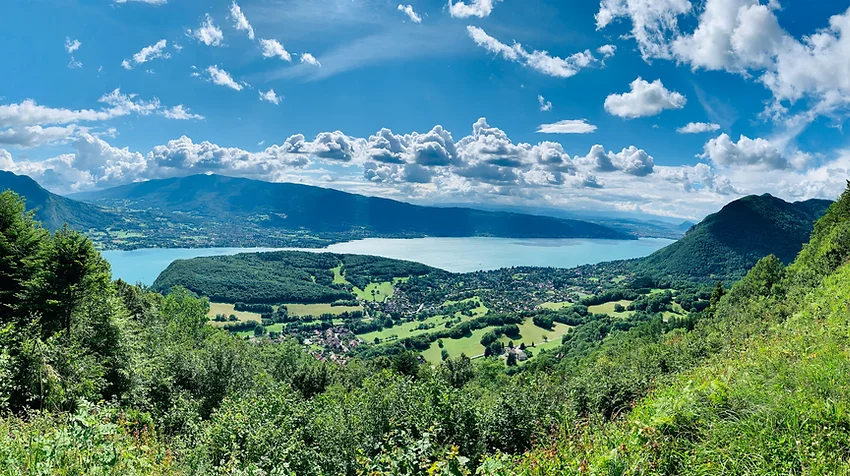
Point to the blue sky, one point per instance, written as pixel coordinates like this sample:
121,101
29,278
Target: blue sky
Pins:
108,92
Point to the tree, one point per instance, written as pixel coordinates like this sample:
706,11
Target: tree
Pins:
457,371
716,295
72,272
511,359
407,363
444,354
619,308
21,240
496,348
259,331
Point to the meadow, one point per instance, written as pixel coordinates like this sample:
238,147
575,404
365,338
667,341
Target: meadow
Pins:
298,310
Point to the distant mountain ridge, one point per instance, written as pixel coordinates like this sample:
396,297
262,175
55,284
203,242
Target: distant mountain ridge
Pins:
52,210
296,207
728,243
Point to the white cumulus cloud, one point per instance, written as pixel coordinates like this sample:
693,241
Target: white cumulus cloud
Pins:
758,152
411,14
654,22
270,96
644,99
310,59
72,45
273,49
471,8
222,78
148,53
208,33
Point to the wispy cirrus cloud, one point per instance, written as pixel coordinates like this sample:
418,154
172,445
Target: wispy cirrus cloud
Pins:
537,60
240,22
221,77
148,53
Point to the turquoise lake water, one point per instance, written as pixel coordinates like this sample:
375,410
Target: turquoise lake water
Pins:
452,254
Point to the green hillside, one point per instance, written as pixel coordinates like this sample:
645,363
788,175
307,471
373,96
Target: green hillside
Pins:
321,210
770,395
53,210
283,276
727,243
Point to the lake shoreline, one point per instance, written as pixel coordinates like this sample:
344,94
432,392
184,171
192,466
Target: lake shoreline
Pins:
457,255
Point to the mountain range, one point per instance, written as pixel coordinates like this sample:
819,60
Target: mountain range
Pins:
723,246
302,207
214,206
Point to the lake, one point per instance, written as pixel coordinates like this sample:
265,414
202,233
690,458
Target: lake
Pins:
458,255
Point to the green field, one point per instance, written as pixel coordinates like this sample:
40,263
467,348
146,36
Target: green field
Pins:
531,334
555,306
476,312
319,309
294,310
471,346
339,275
407,329
227,310
382,290
608,308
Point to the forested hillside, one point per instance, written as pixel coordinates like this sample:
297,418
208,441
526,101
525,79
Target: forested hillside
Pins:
727,243
131,382
321,210
283,276
54,211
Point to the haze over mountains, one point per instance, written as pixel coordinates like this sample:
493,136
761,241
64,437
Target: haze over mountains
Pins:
295,206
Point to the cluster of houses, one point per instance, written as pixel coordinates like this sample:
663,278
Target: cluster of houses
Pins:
335,343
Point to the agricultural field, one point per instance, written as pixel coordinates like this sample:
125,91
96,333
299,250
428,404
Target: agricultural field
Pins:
531,334
407,329
411,328
471,346
608,308
319,309
339,275
227,310
476,312
294,310
375,292
555,306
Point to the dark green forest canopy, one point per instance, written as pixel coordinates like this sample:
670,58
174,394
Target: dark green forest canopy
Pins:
283,276
727,243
